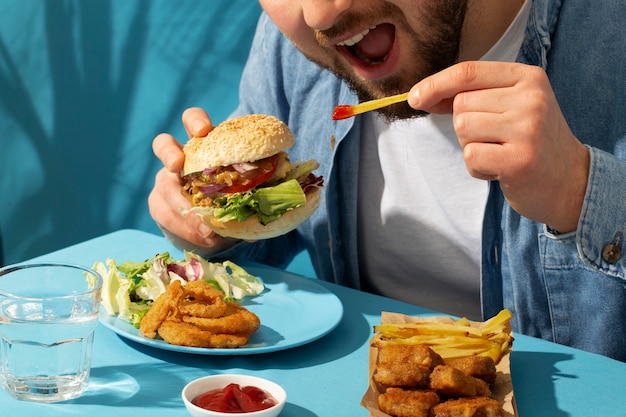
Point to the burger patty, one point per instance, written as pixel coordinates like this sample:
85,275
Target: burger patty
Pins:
203,187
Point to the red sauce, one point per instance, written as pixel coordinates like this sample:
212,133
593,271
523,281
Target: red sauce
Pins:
235,399
342,112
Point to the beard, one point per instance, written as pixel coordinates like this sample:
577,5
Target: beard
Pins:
434,39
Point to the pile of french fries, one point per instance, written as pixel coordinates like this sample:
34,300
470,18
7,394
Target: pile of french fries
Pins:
456,338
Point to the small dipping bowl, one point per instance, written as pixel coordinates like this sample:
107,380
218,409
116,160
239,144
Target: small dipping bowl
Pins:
208,383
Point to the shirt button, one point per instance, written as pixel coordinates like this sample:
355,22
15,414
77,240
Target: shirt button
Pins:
611,253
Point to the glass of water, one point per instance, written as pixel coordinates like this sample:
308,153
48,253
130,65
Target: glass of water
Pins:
48,314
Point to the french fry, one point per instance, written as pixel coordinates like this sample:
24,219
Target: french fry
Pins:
413,329
498,324
456,338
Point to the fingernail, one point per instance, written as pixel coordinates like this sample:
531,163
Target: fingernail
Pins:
197,126
414,97
204,230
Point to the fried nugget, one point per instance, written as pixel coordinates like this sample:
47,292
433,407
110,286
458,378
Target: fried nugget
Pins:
452,383
404,375
420,355
482,367
407,403
468,407
404,365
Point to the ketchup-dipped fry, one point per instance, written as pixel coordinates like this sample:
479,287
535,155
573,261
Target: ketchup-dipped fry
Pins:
345,111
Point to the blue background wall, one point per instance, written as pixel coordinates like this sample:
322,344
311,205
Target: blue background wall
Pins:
85,85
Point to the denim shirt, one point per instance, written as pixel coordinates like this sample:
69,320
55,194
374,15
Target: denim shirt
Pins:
559,287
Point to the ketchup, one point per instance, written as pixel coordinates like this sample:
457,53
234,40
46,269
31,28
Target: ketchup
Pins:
342,111
235,399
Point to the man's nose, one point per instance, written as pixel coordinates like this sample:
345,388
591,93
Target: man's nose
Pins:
322,14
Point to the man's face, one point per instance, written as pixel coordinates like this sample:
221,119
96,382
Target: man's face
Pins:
379,47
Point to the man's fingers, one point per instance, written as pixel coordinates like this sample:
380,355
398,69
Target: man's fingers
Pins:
165,203
436,93
169,151
197,122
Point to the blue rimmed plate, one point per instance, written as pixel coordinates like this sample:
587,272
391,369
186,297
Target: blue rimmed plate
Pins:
293,311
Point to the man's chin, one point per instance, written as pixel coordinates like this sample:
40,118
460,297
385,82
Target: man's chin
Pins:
401,111
380,89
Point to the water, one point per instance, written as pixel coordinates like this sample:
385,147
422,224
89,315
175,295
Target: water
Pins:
42,357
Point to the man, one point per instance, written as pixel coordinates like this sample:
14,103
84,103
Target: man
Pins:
509,194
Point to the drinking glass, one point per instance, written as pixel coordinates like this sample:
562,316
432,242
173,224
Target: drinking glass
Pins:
48,315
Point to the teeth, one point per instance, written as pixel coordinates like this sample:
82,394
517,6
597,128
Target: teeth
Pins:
356,38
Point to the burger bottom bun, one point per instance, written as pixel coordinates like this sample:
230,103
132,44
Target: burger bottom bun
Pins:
252,229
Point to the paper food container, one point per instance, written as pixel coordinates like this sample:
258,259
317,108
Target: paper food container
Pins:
501,389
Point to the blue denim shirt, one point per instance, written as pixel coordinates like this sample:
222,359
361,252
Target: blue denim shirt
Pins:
559,287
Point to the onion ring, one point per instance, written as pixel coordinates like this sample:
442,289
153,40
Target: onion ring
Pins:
236,320
201,300
185,334
202,310
201,291
160,310
195,314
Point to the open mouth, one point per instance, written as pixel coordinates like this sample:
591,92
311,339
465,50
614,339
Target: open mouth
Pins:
370,47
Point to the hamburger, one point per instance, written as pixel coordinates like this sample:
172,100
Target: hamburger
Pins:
240,180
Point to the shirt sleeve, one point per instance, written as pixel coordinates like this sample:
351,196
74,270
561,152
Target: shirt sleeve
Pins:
602,225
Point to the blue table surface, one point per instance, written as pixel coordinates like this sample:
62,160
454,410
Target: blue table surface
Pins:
326,377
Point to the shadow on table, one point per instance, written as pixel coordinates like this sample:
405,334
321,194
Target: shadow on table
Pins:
292,410
134,386
539,367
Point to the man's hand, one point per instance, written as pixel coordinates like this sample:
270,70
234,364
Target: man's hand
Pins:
512,130
166,199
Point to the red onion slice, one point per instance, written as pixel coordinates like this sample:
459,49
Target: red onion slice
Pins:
211,188
244,167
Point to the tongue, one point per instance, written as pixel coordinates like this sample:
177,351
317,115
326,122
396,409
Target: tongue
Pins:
375,46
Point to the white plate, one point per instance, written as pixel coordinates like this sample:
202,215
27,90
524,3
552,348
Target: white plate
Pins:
293,311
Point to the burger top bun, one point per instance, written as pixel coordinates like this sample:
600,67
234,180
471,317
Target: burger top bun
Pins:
241,139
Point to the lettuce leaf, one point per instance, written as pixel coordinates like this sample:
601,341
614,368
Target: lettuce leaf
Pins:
300,170
269,203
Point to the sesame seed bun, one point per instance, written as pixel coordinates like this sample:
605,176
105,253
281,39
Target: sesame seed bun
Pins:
241,139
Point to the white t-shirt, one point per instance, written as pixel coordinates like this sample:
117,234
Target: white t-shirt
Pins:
420,212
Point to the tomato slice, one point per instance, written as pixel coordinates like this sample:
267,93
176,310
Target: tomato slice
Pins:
256,177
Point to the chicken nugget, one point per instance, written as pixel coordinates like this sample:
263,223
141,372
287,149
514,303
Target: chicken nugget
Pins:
420,355
482,367
468,407
405,375
452,383
407,403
